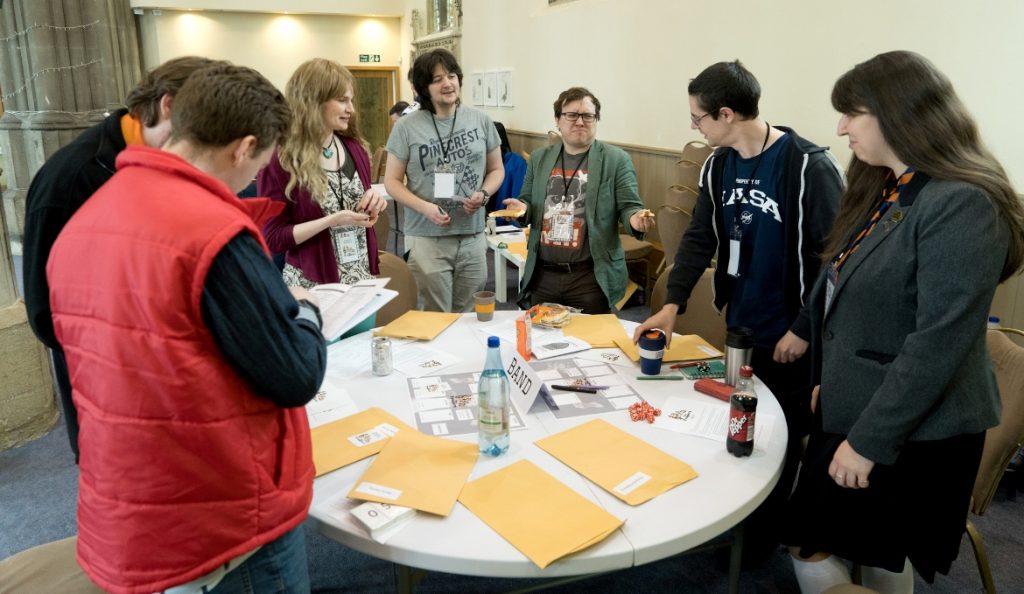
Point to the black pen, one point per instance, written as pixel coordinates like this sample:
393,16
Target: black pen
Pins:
583,389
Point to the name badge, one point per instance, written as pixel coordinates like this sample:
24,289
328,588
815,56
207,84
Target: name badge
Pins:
444,184
561,227
734,251
348,246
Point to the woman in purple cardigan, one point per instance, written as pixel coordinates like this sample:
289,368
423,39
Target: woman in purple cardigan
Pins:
322,175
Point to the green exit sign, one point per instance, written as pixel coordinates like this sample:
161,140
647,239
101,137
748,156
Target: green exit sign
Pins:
369,57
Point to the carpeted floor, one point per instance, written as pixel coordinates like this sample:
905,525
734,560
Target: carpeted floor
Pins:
38,488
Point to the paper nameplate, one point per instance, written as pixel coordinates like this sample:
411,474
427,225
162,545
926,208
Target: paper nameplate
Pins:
524,383
382,431
378,490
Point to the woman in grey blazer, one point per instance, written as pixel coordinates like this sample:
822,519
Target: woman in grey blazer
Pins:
927,227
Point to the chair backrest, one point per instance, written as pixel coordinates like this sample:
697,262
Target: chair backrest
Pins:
383,227
682,197
402,281
689,164
672,222
700,317
554,137
377,164
1003,440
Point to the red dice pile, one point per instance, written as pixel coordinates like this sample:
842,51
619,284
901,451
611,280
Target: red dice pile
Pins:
640,411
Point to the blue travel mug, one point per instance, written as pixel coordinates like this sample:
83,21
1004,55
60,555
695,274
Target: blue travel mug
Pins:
652,349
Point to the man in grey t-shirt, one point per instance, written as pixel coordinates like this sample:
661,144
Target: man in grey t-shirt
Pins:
444,162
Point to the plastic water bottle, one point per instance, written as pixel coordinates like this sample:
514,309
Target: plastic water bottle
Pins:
993,322
492,400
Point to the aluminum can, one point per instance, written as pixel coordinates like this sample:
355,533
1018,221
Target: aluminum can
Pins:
380,354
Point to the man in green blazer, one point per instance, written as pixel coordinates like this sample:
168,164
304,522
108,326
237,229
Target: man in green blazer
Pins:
576,194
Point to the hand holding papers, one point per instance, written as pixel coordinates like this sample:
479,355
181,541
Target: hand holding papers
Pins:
421,325
537,514
344,306
625,466
418,471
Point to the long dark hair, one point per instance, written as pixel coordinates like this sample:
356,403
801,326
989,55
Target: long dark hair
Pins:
929,129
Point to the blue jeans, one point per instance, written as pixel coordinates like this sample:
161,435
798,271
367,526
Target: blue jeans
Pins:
278,567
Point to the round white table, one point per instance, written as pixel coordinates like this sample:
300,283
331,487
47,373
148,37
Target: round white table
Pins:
725,492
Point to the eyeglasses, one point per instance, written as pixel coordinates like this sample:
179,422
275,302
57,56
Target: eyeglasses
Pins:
696,119
572,116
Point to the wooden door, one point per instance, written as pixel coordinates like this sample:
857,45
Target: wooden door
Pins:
375,94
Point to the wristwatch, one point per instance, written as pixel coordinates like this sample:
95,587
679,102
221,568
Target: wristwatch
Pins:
487,195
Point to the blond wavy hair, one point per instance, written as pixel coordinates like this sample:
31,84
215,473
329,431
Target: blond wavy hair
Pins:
313,83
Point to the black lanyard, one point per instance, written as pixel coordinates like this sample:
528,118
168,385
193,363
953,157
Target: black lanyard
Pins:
567,184
445,147
753,175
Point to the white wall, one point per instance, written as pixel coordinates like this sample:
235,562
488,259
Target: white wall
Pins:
638,57
274,44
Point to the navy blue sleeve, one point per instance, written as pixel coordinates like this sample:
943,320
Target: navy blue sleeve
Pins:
252,316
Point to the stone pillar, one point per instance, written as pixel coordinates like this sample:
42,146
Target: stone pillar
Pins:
63,65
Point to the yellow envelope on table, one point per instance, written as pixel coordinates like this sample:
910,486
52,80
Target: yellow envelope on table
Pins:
600,330
687,347
420,325
536,513
518,248
352,438
625,466
418,471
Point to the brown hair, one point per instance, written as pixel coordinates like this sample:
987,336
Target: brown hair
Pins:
422,73
221,104
143,101
575,94
928,128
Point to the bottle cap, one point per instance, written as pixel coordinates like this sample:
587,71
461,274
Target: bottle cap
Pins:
493,341
746,371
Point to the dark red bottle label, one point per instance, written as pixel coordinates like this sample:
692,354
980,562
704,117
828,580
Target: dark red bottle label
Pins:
741,425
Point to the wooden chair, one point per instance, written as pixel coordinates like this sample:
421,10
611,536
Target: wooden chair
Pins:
398,271
378,163
682,197
1001,441
689,164
636,251
672,222
49,567
700,317
383,229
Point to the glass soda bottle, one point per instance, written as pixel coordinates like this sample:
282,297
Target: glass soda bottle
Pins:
493,403
742,409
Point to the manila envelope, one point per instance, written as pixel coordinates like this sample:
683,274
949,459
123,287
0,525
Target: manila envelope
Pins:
600,330
625,466
687,347
538,515
352,438
420,325
418,471
518,248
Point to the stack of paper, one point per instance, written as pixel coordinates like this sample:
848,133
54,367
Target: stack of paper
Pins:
382,520
536,513
342,306
625,466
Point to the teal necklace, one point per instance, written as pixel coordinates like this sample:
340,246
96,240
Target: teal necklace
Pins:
329,149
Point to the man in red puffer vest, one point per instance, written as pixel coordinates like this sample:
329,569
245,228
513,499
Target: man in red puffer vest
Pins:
189,358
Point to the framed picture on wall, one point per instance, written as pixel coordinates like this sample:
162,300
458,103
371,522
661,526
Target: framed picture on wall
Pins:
505,89
491,89
478,88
